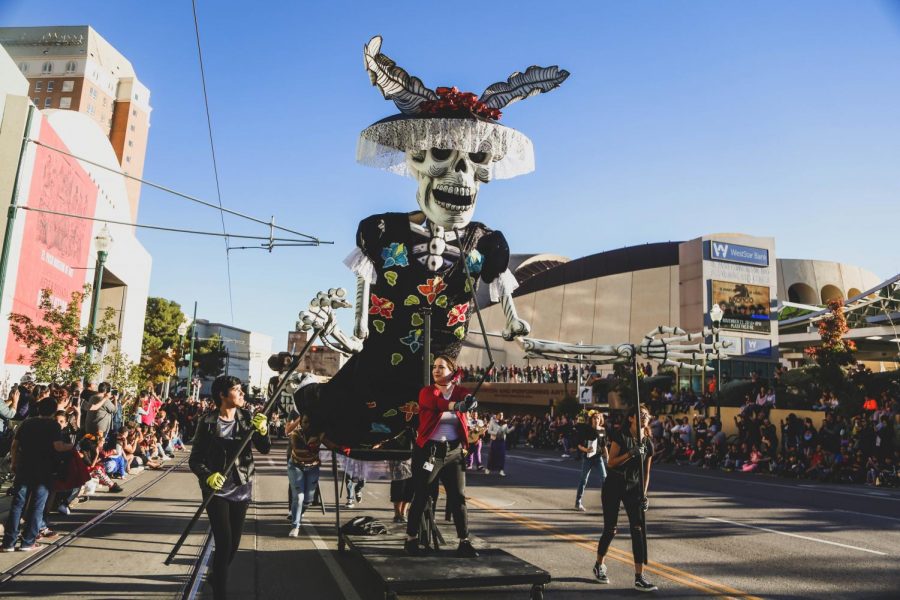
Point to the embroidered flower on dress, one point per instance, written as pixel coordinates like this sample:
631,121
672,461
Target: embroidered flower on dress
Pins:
381,306
457,314
395,256
413,340
432,288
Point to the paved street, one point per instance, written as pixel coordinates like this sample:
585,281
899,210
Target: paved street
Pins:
710,533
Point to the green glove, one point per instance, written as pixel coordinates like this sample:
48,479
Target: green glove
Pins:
260,423
215,481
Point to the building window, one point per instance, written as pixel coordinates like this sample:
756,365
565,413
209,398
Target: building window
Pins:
133,112
90,109
48,101
47,67
37,101
128,159
68,86
136,98
65,102
93,92
130,143
49,86
23,66
131,127
70,66
104,101
39,86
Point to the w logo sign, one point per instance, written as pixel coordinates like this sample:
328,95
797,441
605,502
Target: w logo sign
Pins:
720,250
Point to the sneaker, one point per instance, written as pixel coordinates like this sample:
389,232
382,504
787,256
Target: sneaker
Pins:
502,473
350,504
115,488
600,573
34,547
294,532
481,469
46,533
8,549
466,550
64,509
358,497
642,585
579,507
487,471
566,456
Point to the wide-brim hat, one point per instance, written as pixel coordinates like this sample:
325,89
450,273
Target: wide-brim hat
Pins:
384,144
447,118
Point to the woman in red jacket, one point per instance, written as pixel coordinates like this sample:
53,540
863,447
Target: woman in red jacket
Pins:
438,453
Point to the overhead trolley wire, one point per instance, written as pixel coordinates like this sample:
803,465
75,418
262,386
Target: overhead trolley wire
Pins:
212,148
289,241
313,240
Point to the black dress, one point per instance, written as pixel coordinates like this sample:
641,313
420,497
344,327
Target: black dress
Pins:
373,397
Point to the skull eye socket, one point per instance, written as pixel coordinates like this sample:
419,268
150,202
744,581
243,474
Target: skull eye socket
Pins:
478,158
440,153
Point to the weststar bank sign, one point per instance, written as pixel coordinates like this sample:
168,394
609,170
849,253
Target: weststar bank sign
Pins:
735,253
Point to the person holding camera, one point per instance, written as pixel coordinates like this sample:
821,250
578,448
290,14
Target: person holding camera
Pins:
217,440
594,454
438,453
623,486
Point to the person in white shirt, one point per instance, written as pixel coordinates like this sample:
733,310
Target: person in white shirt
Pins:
592,444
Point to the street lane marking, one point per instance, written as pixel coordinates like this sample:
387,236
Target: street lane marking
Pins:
853,512
673,574
336,571
794,535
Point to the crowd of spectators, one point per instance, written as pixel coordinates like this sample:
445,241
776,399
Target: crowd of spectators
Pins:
60,444
544,373
863,448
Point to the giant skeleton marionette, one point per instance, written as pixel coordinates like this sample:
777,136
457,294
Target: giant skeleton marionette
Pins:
451,143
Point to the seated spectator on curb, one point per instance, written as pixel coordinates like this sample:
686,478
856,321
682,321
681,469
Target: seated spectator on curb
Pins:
34,460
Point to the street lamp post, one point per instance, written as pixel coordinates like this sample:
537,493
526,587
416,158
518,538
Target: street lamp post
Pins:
190,378
715,315
182,330
103,241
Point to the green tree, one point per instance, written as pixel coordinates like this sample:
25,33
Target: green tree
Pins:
835,355
159,348
57,342
209,357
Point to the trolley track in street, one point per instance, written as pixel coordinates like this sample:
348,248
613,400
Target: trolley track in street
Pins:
53,548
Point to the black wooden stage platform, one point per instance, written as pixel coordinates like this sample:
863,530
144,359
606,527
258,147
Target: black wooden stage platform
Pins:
442,570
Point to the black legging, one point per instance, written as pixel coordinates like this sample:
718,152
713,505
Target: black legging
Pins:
615,491
226,519
450,468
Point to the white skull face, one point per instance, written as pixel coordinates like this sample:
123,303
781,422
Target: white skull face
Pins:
448,183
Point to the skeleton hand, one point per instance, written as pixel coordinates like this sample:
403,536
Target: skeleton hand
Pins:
516,328
664,349
320,317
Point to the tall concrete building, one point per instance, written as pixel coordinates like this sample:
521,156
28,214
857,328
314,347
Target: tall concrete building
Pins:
74,68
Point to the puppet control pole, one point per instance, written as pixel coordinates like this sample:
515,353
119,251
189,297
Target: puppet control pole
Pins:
270,404
471,282
640,442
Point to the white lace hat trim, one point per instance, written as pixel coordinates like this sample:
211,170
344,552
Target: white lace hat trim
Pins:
384,144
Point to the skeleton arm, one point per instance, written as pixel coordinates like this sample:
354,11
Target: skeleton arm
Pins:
361,327
515,327
680,345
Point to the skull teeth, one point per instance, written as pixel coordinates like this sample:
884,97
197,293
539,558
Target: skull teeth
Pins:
456,190
452,201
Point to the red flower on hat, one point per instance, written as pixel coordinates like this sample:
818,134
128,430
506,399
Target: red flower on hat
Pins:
453,101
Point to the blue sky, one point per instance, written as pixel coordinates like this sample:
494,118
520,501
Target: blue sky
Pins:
679,119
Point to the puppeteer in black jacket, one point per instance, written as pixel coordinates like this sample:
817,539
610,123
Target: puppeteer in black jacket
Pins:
210,453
